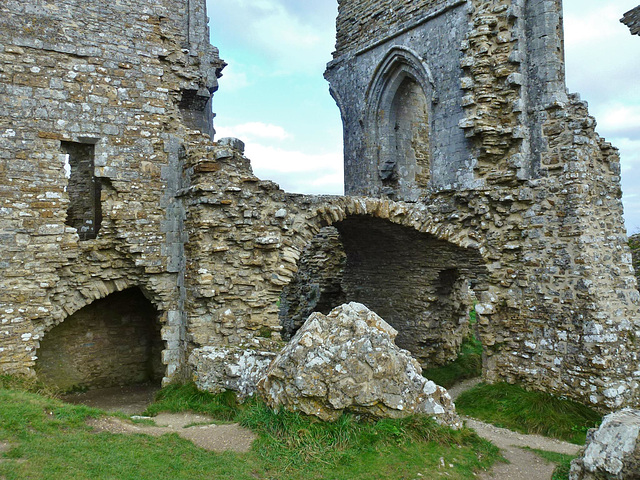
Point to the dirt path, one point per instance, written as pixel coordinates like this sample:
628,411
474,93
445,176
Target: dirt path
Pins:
134,400
202,432
521,462
198,429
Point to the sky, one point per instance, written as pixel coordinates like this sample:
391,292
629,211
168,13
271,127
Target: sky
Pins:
273,95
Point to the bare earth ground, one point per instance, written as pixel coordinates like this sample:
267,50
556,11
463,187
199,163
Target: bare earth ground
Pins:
130,400
216,438
133,400
232,437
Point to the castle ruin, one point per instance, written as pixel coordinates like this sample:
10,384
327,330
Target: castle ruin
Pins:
132,243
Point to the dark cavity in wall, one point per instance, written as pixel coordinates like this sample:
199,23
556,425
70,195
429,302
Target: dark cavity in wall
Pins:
84,189
317,284
424,287
114,341
421,285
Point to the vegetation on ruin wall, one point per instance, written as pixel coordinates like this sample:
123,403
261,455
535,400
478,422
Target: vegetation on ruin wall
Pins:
43,438
467,365
512,407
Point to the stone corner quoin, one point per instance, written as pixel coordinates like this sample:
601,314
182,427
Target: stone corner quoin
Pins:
472,179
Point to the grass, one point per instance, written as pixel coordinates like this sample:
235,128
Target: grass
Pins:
563,461
50,440
512,407
348,448
181,398
467,365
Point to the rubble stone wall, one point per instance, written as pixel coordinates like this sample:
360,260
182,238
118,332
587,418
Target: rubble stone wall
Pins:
317,284
111,75
507,197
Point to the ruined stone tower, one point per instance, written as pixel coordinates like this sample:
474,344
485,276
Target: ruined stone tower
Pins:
461,106
134,248
96,101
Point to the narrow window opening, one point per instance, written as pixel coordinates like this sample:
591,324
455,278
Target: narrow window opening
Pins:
84,189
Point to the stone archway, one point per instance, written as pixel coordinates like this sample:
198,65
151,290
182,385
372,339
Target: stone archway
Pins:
113,341
422,280
423,286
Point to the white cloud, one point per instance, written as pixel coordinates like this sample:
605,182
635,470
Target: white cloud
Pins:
296,171
601,64
250,131
620,120
288,39
233,79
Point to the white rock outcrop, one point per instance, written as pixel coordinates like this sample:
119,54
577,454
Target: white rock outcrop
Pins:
347,361
231,368
613,451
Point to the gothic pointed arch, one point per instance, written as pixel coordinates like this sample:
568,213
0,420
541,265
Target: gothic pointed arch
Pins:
398,118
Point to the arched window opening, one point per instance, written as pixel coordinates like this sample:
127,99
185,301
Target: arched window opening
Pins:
404,164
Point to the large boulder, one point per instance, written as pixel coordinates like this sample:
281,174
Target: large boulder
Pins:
347,361
613,451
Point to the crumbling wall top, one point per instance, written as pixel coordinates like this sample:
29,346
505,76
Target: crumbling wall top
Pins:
632,20
361,23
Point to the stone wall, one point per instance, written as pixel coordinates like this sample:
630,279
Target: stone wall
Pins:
358,20
112,77
632,20
524,174
504,195
366,85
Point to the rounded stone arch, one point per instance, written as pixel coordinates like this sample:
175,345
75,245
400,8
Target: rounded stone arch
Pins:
108,333
398,118
420,275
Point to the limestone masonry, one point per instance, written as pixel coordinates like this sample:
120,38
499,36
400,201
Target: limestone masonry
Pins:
134,248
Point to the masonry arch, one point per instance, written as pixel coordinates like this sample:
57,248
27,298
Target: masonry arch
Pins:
113,341
399,112
420,276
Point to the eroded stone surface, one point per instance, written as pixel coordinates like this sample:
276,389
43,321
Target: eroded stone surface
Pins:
612,451
347,362
216,369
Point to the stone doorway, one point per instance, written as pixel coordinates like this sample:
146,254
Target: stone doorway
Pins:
112,342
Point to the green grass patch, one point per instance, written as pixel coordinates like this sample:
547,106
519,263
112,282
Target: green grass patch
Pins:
298,446
182,398
467,365
50,440
517,409
562,461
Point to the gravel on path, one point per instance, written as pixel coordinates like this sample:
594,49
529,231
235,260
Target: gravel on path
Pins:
512,445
